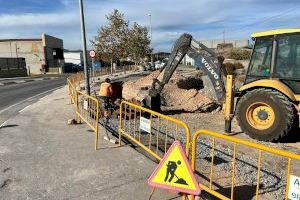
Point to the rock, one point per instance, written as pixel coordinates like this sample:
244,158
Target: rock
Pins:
72,122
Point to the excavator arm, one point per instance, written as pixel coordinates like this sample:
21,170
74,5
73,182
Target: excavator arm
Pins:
205,59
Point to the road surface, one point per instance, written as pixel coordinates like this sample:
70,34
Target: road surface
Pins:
15,97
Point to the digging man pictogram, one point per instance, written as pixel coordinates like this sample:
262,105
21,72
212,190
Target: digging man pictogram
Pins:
171,168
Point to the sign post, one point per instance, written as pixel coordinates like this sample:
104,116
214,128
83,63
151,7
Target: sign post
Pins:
93,55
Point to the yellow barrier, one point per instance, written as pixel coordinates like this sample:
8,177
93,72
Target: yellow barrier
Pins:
152,131
87,110
72,91
87,107
76,80
235,141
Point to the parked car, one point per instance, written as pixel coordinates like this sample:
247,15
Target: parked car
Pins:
157,64
164,62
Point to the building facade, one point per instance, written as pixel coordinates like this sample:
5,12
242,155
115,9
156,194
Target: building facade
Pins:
42,55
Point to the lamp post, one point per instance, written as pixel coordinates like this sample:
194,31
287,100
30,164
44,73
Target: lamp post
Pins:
150,18
86,71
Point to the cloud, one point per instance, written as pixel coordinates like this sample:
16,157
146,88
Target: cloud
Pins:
37,20
205,19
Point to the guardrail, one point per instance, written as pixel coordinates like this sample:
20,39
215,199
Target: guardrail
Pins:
152,131
235,142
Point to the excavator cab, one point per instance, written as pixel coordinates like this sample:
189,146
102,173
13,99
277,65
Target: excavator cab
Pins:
282,62
268,102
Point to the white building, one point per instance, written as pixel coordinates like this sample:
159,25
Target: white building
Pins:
73,57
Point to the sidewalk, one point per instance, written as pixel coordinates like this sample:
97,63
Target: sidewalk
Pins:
41,157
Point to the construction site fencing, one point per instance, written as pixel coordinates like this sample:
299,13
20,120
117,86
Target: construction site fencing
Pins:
76,80
226,174
108,70
87,110
87,107
72,92
153,132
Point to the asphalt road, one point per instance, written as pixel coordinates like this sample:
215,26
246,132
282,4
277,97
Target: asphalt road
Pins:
15,97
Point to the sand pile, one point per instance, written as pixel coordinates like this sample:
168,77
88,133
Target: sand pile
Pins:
181,93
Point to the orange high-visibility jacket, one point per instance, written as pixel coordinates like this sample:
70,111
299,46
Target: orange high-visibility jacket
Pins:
106,90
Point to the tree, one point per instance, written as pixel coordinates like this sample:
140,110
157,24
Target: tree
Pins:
110,43
116,40
138,43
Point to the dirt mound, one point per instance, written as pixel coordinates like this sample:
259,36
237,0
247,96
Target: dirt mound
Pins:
181,93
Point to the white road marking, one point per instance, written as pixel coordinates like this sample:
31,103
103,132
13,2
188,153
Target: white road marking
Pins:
5,109
24,108
3,124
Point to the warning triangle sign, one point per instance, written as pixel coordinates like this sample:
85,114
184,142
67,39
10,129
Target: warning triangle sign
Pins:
174,172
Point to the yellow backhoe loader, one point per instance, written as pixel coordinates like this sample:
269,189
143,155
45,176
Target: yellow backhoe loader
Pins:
267,105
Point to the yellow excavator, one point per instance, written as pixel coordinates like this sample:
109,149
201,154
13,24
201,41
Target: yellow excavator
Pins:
267,105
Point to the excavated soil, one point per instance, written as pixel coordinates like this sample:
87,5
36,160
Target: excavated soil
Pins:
182,93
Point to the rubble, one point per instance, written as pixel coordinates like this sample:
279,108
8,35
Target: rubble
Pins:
180,94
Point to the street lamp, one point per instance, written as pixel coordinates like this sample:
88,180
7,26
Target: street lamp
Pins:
150,18
86,71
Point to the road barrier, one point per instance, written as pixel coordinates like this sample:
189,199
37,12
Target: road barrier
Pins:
72,92
203,170
152,131
76,80
87,107
87,110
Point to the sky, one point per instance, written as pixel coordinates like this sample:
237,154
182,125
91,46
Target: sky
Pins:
204,19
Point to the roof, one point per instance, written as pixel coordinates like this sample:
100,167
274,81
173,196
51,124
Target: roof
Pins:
19,40
275,32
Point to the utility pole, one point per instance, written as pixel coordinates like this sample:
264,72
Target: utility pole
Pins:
224,37
86,70
151,38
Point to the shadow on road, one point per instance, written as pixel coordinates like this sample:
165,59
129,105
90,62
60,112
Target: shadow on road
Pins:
8,126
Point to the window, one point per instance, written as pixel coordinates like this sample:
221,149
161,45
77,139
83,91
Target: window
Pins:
261,58
288,57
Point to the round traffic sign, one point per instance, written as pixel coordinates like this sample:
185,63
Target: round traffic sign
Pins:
92,54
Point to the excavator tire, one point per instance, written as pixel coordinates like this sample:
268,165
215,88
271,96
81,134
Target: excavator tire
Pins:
265,114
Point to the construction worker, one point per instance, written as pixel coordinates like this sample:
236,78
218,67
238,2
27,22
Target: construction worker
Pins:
105,94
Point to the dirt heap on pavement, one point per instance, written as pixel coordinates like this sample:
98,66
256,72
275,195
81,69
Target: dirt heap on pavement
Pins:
180,94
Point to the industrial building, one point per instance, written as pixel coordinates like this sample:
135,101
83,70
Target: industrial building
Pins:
42,55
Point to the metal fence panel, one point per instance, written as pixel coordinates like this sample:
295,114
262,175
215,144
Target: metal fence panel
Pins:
152,131
225,174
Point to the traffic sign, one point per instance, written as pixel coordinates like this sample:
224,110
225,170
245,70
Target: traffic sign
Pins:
92,53
174,172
